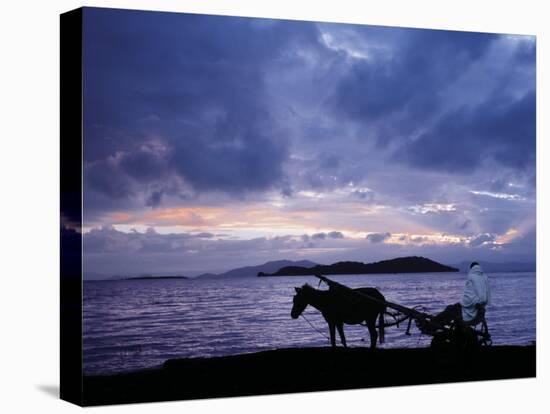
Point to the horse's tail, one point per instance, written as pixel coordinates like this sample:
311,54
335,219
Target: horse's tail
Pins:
381,323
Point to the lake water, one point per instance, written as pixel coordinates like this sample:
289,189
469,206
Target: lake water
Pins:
136,324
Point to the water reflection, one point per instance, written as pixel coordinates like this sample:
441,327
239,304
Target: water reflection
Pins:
141,323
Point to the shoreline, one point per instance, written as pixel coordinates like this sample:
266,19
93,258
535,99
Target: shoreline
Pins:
291,370
224,278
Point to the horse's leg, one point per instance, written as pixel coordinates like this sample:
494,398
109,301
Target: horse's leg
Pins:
371,325
340,327
332,330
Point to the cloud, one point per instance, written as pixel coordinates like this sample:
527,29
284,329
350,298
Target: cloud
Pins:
258,129
150,82
204,235
501,128
406,79
465,224
364,194
109,251
377,237
418,239
323,236
253,164
335,235
482,239
441,100
433,208
503,196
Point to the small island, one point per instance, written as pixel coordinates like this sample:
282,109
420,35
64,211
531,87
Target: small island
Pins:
412,264
150,277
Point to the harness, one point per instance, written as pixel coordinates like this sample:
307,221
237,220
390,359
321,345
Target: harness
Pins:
398,317
310,324
395,317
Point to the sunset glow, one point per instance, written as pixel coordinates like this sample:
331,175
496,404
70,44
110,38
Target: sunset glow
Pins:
267,139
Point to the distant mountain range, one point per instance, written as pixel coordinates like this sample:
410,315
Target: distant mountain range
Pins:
143,277
412,264
154,277
251,271
305,267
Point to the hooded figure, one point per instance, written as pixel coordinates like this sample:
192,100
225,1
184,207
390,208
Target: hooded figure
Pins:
476,292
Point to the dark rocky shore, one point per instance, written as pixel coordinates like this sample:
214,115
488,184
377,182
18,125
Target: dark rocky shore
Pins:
305,369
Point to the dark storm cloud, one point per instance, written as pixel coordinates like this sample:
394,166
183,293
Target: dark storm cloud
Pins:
366,195
108,240
255,164
481,239
464,225
319,236
410,78
323,236
154,199
329,161
190,84
143,164
194,88
407,96
378,237
205,235
418,239
525,54
109,251
106,177
526,244
415,132
501,128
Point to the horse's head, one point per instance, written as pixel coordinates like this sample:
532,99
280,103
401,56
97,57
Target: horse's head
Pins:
299,302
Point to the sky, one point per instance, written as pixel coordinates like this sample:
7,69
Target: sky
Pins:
215,142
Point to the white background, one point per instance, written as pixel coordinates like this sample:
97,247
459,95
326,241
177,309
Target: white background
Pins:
29,193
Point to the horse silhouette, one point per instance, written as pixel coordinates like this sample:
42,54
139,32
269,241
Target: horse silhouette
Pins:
339,307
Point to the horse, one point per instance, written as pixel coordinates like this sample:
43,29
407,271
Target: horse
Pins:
339,307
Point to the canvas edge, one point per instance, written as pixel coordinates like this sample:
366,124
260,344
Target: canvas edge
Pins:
70,42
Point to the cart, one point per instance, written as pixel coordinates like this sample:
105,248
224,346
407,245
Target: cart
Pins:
458,338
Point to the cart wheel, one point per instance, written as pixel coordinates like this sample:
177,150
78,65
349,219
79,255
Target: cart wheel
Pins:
444,350
469,341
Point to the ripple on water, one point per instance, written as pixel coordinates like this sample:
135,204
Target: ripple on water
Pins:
136,324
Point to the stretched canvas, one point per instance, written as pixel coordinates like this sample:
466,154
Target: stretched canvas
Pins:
258,206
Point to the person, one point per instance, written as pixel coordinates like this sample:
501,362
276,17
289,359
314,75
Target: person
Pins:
477,293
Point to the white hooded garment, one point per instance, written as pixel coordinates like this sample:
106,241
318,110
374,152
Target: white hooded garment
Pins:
476,292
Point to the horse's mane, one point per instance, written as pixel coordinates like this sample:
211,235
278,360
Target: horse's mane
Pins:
307,286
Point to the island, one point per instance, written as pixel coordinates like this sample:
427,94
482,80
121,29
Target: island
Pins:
148,277
411,264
